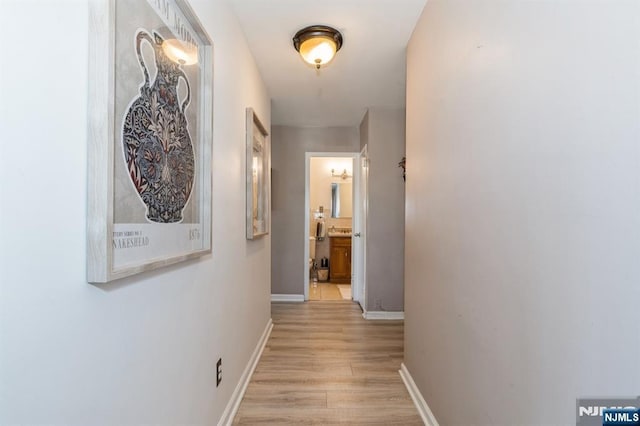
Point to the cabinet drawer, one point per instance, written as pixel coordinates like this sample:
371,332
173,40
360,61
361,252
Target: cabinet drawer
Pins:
340,241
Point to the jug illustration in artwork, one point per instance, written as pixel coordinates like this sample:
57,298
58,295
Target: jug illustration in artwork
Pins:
157,146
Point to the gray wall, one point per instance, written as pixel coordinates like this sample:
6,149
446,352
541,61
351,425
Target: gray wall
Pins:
523,208
383,130
141,350
288,229
364,130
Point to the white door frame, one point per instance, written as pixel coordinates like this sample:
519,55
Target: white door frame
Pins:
307,209
359,243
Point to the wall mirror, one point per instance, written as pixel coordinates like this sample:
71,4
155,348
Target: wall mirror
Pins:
257,177
341,200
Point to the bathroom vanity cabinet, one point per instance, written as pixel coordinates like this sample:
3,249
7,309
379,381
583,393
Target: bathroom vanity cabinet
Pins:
340,260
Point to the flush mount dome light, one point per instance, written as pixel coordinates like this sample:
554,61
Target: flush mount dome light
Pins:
317,44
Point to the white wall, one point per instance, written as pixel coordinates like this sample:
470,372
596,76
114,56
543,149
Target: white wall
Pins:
143,349
523,208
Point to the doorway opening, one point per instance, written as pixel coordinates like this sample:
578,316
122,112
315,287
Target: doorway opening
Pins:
332,196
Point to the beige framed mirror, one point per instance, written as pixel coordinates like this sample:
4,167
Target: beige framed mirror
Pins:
258,180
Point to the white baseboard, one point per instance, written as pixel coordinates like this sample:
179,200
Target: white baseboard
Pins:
287,297
382,315
425,412
232,407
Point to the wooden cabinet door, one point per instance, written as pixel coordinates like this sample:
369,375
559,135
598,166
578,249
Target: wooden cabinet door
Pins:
340,260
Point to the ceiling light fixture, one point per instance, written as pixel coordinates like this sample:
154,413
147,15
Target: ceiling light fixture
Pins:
317,44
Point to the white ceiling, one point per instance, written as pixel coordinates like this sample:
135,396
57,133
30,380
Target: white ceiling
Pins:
368,71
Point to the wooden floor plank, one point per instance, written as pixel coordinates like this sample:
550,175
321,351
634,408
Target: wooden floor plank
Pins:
325,364
324,291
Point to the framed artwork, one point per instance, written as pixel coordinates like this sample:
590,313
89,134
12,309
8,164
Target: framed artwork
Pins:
150,132
258,181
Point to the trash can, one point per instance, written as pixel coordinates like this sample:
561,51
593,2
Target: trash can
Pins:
323,274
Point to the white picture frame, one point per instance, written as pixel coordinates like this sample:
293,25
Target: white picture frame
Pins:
258,177
149,138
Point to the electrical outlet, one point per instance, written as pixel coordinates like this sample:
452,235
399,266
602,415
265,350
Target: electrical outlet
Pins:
218,372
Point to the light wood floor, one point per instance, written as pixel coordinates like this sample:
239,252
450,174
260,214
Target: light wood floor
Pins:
325,364
324,291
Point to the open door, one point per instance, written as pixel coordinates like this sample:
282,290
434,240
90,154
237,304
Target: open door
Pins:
359,239
309,214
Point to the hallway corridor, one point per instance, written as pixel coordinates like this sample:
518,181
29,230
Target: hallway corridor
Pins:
325,364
